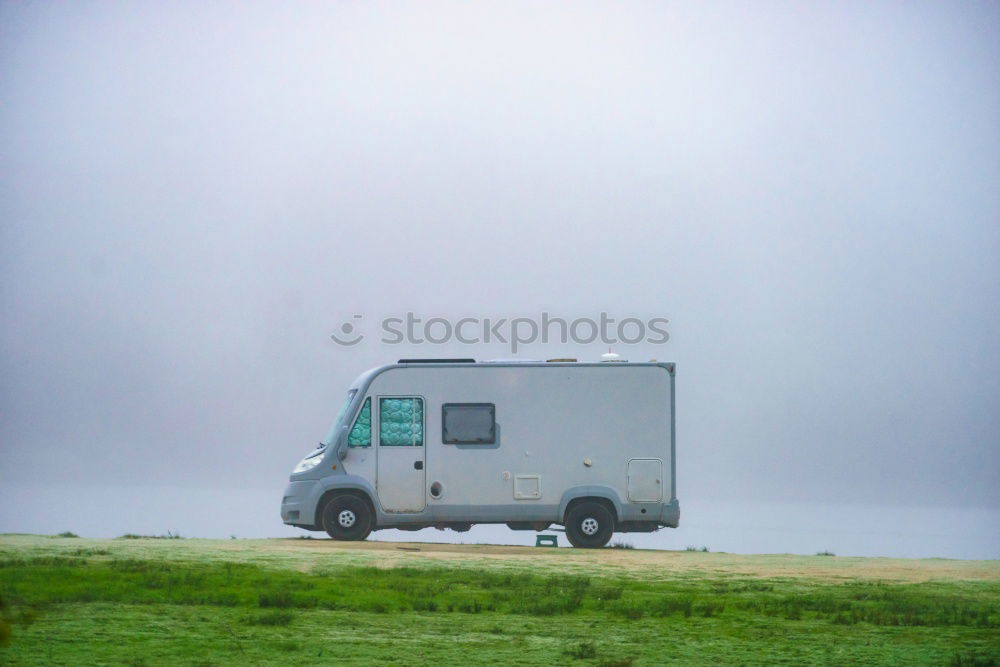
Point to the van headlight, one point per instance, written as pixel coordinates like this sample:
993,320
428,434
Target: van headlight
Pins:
308,463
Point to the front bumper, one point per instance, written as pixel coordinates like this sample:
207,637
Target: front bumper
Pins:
298,505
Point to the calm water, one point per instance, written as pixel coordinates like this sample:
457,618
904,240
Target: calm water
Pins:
846,530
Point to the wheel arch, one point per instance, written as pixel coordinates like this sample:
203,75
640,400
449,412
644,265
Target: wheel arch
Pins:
331,493
604,495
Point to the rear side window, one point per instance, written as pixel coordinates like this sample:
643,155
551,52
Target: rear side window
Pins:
401,422
468,423
361,432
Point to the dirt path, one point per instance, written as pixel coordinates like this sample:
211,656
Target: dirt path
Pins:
307,554
658,564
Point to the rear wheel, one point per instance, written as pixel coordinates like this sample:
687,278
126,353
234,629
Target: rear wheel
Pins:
347,518
589,525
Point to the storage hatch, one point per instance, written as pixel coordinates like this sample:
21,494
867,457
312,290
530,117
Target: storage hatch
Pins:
645,480
527,487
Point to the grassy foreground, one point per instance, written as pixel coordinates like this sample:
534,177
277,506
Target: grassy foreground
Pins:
149,601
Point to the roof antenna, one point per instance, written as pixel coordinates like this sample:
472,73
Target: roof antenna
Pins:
611,357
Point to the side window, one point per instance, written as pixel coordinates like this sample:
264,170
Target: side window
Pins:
468,423
361,432
401,422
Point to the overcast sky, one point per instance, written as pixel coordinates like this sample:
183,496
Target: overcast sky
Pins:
194,196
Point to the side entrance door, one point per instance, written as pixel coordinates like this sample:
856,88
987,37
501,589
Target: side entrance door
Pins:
400,479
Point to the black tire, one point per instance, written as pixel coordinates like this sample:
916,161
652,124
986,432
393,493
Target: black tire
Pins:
347,518
589,525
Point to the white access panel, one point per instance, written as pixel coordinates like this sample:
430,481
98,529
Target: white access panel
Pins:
527,487
645,480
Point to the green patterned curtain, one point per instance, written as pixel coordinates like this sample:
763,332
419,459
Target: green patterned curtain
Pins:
361,434
401,422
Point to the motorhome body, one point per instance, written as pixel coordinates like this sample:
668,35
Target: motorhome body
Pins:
590,446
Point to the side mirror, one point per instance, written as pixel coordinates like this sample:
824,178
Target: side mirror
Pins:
342,443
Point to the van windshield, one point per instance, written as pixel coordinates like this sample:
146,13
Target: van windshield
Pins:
335,428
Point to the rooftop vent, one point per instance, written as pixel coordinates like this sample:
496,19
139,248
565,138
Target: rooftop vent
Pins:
436,361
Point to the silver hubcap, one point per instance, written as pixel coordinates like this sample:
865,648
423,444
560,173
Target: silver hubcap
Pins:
346,518
589,526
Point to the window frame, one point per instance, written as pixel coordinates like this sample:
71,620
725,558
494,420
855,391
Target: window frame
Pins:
423,418
483,443
355,423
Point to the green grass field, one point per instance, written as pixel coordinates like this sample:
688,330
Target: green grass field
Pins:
174,601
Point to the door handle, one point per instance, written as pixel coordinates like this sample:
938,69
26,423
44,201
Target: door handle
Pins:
418,465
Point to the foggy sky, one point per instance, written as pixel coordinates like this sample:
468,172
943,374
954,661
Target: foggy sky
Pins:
195,196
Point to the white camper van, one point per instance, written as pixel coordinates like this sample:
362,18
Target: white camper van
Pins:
450,443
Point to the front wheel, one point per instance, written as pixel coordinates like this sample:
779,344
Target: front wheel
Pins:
589,525
347,518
